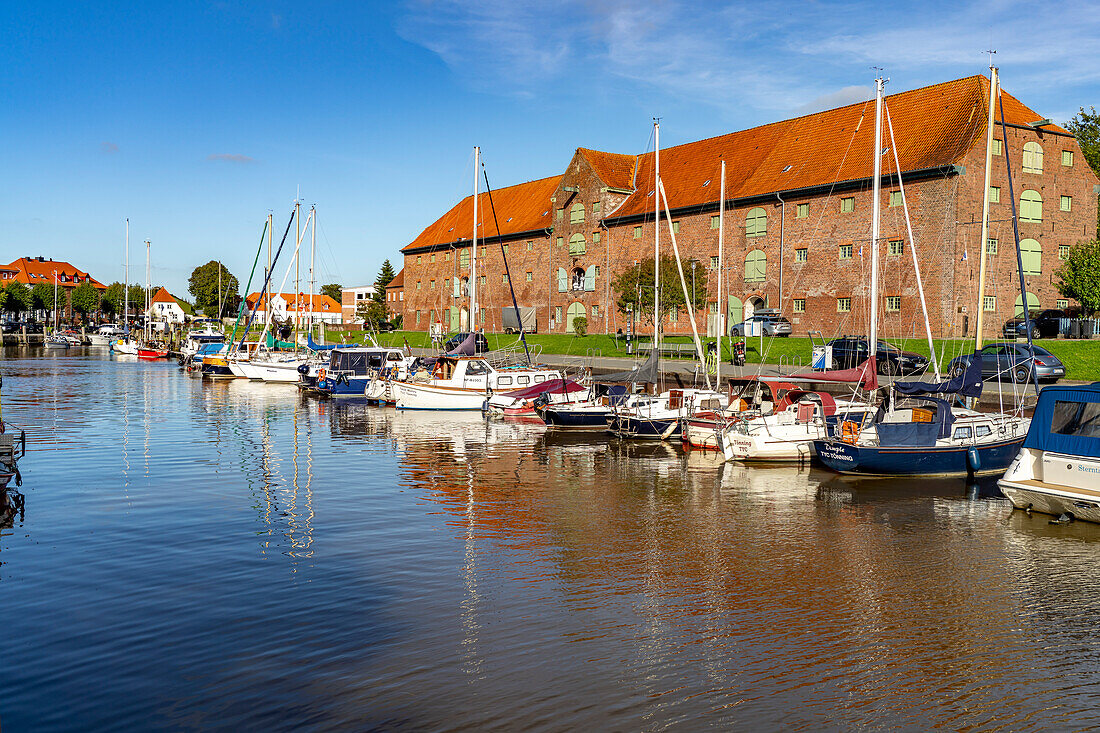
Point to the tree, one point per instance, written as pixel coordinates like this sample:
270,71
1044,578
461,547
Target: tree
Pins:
1079,276
635,288
18,297
371,313
85,299
42,296
1085,126
333,290
385,275
114,297
137,299
203,285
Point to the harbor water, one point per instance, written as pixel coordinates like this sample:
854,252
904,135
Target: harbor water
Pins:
233,555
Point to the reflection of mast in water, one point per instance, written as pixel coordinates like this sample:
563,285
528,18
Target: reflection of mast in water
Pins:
145,417
472,601
301,527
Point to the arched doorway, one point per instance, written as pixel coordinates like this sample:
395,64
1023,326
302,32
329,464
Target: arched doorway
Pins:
752,305
575,310
1032,304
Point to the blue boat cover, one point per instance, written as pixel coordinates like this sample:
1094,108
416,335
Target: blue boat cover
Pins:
1067,420
967,384
313,345
916,433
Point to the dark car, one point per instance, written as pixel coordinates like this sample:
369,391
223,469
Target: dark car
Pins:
851,351
772,323
386,326
1044,324
1012,361
482,344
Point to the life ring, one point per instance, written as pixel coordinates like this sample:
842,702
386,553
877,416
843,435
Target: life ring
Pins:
849,431
321,373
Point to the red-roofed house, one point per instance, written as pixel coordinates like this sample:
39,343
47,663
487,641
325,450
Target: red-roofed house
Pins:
395,295
33,270
322,308
164,308
797,223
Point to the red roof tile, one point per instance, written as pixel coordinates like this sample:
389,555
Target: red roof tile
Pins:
614,169
163,296
398,280
934,126
32,271
319,302
524,207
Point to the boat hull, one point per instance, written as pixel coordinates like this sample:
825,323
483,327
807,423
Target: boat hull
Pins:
954,460
1058,500
347,387
646,428
411,396
565,417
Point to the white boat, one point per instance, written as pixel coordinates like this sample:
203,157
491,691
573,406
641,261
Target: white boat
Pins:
661,416
523,401
105,334
1057,470
126,346
463,383
276,367
789,432
199,338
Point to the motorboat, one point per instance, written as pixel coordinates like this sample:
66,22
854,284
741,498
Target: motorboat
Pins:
105,334
197,339
57,341
522,402
149,351
1057,470
464,382
659,417
348,372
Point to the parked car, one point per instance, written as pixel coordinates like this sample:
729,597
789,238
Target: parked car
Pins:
1012,361
17,327
851,351
1044,324
386,326
772,323
481,344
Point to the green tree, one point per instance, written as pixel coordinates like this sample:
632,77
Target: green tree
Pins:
333,290
1079,276
42,296
111,303
385,275
85,299
203,285
137,299
18,297
371,313
634,288
1085,126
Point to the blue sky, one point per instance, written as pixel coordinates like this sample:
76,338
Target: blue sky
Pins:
196,119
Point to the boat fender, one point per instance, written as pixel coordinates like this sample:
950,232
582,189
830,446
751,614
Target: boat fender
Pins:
342,379
973,460
303,369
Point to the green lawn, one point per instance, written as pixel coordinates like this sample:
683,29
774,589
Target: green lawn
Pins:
1082,358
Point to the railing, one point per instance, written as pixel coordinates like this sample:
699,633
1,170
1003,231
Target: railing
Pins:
788,362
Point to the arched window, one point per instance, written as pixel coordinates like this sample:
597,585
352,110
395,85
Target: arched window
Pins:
575,310
1033,157
756,222
1032,304
756,266
576,213
1031,255
577,245
1031,206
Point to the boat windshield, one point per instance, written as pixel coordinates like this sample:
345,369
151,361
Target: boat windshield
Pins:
1076,418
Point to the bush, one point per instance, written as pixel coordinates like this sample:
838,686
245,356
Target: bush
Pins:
580,325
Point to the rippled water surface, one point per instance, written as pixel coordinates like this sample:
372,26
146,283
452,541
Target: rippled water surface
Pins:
232,555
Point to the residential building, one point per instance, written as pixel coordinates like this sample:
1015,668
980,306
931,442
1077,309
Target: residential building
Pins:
164,308
350,298
395,295
33,270
301,307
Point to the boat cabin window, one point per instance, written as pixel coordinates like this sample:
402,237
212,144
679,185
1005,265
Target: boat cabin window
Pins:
523,380
540,378
983,430
1076,418
374,360
475,368
393,356
504,381
962,433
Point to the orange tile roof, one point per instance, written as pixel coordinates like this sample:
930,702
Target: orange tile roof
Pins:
524,207
163,296
398,280
614,169
934,126
32,270
318,302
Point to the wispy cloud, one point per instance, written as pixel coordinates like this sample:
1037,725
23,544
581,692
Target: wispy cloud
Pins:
231,158
786,57
276,21
108,148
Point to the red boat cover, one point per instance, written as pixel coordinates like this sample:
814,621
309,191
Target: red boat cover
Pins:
828,404
550,385
864,374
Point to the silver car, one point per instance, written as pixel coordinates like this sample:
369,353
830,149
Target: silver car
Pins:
772,323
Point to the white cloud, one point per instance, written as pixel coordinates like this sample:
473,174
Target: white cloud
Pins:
231,158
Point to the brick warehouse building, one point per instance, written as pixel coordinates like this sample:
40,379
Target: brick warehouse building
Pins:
797,224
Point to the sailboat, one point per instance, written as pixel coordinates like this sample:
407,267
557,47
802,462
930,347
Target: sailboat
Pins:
919,433
126,345
56,340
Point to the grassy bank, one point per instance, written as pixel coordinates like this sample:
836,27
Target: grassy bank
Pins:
1082,358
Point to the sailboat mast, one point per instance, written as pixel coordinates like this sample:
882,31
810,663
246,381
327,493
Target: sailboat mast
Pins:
267,306
147,274
876,207
297,273
473,253
312,259
656,234
126,284
980,308
721,309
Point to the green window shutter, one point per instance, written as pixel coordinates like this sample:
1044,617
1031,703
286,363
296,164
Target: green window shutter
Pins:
577,245
802,211
1066,203
1033,157
994,194
597,207
563,280
756,222
848,204
590,279
1032,304
1031,253
714,221
756,266
576,214
595,237
1031,207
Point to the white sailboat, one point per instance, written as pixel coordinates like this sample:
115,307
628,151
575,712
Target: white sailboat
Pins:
126,344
